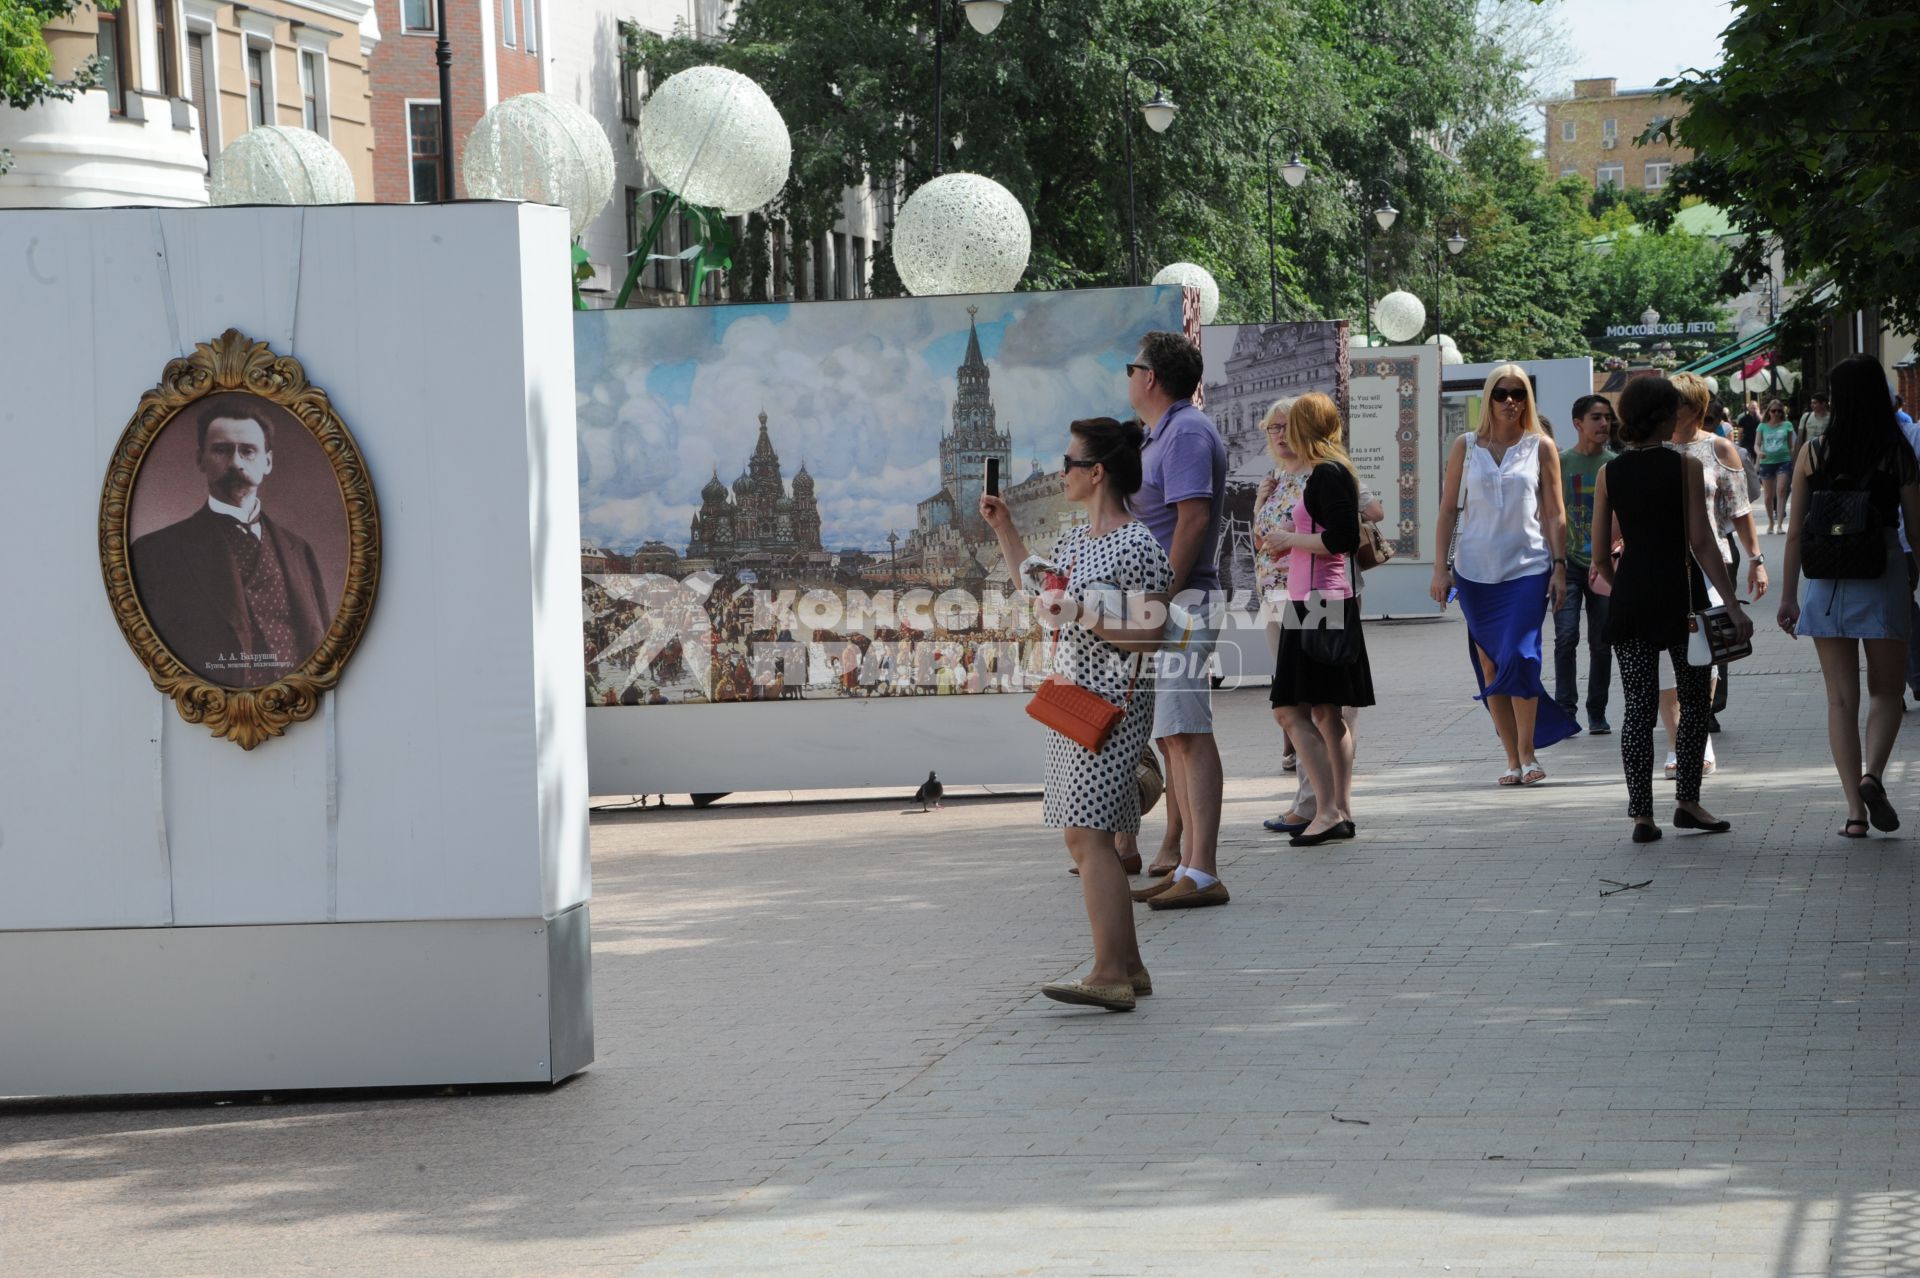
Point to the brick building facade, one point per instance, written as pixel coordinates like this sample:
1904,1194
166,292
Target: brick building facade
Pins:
1591,136
496,47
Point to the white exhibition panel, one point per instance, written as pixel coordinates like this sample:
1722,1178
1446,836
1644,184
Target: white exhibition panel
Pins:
453,750
1556,384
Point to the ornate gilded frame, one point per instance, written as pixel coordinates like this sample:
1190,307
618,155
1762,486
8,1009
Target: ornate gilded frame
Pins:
234,362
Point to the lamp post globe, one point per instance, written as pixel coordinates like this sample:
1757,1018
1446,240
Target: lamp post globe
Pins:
1650,317
1159,112
985,15
1456,243
1294,171
1386,215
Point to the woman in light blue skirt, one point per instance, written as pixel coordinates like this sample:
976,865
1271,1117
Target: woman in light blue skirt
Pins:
1859,599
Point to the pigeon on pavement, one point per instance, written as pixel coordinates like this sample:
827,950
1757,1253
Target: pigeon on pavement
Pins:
930,792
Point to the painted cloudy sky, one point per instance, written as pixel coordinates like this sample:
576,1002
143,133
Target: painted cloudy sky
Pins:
860,390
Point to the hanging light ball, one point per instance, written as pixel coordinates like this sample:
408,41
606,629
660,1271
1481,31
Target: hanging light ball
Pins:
542,149
961,233
1197,277
714,138
1399,316
279,164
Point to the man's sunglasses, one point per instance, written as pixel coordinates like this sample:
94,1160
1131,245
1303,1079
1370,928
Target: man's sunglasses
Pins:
1138,368
1501,394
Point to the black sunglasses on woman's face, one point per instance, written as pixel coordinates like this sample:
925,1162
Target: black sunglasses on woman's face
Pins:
1069,462
1501,394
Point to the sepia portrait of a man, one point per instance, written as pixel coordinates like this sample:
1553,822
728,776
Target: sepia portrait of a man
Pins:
239,540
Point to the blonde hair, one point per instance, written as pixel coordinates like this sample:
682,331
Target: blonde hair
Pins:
1281,407
1694,391
1531,420
1313,432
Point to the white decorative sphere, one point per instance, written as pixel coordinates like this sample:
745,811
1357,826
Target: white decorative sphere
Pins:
961,233
279,164
1399,316
1451,355
1198,277
542,149
714,138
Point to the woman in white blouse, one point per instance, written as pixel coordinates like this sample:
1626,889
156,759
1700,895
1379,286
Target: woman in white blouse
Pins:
1502,490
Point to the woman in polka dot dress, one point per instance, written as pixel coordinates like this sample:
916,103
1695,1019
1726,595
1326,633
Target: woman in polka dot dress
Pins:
1113,561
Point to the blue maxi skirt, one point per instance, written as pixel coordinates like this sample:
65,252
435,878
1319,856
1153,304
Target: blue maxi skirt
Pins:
1504,621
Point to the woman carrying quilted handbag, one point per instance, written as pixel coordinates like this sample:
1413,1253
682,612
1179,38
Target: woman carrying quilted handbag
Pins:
1851,487
1097,708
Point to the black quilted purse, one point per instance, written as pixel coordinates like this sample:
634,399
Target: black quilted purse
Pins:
1840,535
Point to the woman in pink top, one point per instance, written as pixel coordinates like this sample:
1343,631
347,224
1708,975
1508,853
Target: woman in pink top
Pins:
1314,680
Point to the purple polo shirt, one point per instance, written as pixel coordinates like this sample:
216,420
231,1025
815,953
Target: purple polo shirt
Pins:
1185,458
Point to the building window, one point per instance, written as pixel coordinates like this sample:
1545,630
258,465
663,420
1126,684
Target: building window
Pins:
259,84
111,45
416,15
507,32
533,28
1658,171
1610,130
822,268
199,88
1569,130
858,267
1612,175
842,277
423,150
163,31
635,228
313,91
632,89
1570,171
781,267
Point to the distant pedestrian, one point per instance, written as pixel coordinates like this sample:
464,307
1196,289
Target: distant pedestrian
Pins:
1863,594
1900,413
1502,489
1659,496
1580,468
1912,433
1322,666
1774,441
1747,426
1814,422
1110,558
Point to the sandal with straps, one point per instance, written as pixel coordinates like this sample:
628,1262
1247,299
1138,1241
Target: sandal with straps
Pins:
1879,811
1510,777
1534,774
1846,831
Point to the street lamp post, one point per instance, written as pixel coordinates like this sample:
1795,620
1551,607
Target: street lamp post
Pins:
1159,114
1456,244
443,55
984,15
893,556
1384,215
1295,172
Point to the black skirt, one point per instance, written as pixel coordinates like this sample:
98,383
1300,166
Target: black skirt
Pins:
1299,680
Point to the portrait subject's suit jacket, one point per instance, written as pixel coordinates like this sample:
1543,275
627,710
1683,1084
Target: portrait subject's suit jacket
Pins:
188,580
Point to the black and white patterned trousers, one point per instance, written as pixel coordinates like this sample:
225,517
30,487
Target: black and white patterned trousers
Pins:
1640,680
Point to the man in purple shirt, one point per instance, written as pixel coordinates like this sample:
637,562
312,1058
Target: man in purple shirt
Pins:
1182,493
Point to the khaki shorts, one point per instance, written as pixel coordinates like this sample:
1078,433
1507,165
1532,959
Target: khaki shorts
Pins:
1182,680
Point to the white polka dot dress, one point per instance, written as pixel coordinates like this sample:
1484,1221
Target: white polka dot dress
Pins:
1098,791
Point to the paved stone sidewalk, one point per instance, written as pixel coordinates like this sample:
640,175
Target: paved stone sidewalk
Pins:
1437,1049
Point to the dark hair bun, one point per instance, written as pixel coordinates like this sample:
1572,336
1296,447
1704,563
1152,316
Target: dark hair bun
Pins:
1116,446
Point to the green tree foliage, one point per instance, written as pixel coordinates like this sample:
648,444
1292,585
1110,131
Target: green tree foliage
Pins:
1367,89
1521,290
1806,135
26,64
1676,273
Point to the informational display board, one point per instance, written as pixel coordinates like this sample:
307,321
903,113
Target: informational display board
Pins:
1392,431
782,556
395,891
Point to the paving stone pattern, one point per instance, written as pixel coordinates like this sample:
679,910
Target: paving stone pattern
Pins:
1434,1050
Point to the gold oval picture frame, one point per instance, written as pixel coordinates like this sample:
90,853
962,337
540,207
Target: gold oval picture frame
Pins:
240,539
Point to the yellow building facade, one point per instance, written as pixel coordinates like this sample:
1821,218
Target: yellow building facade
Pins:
1591,136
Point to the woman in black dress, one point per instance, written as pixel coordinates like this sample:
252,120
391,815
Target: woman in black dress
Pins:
1309,689
1659,497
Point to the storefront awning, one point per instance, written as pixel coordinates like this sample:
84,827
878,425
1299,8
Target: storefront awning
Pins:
1738,353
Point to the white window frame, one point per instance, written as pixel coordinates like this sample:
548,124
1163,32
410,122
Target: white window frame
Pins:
530,21
201,17
1618,176
313,44
1610,130
1664,168
269,98
1570,170
406,109
508,29
1569,130
433,20
633,80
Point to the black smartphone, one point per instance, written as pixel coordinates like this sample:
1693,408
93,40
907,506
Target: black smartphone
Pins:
993,476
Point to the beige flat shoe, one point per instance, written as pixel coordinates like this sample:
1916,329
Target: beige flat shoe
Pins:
1155,888
1142,984
1192,898
1115,998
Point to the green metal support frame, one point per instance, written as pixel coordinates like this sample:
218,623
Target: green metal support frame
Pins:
714,252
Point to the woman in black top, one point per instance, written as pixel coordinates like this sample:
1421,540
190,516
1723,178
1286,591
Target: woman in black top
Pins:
1659,497
1309,688
1863,447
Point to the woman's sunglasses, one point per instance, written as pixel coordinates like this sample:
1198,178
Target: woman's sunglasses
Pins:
1070,462
1501,394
